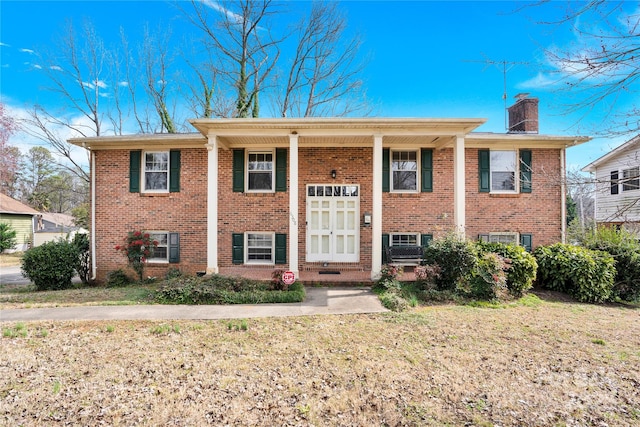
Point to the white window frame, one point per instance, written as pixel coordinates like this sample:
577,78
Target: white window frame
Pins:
144,172
272,236
494,237
158,260
630,179
392,235
417,171
272,171
493,168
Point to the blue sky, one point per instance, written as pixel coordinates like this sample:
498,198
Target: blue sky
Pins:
427,58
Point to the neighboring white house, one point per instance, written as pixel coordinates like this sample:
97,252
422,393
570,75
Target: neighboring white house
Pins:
617,176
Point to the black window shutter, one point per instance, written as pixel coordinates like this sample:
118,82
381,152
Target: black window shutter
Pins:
174,171
614,182
526,240
484,170
385,170
237,252
238,171
525,171
135,162
426,165
174,247
385,245
281,248
281,169
425,241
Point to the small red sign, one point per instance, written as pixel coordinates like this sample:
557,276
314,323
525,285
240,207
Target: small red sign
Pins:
288,277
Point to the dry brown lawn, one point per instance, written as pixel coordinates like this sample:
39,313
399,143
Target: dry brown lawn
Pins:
543,363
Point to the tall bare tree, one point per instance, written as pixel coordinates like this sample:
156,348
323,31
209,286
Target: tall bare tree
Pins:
602,63
245,50
324,74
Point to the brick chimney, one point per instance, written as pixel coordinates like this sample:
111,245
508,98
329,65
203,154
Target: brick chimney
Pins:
523,115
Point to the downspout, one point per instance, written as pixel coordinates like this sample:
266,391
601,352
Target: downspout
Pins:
563,194
93,216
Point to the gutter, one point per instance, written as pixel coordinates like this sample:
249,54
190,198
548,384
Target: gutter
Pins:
563,197
93,216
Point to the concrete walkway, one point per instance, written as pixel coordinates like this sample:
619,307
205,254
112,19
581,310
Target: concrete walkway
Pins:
318,301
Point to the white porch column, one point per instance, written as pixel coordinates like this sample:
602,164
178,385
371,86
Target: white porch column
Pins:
212,205
376,214
293,204
459,214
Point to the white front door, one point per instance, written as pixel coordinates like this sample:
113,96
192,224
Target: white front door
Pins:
333,223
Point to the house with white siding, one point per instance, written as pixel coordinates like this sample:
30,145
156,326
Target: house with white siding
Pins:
617,177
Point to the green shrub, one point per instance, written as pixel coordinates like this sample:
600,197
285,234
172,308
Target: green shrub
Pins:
118,279
389,278
585,274
456,258
489,279
426,276
83,259
50,266
225,290
172,273
393,301
624,247
7,237
523,266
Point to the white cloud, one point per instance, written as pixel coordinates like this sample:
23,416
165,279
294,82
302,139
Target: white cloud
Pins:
4,44
218,7
123,84
36,66
25,50
161,82
540,81
55,68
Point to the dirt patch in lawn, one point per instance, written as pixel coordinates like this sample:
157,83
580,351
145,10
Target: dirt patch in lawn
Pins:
547,363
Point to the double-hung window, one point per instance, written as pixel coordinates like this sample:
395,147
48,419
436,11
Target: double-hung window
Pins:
260,248
503,171
156,171
260,171
404,167
167,248
631,179
160,252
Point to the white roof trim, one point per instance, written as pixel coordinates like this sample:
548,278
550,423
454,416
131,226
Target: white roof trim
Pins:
591,167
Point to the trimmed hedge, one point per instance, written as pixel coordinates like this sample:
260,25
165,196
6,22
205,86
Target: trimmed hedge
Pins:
585,274
624,247
225,290
457,259
523,266
51,266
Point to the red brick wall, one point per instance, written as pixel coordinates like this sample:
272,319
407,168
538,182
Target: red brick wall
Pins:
537,213
427,213
118,211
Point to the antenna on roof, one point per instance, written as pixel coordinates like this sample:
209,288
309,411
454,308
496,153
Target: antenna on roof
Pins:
505,66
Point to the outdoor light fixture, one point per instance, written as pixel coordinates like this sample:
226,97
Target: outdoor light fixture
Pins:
333,174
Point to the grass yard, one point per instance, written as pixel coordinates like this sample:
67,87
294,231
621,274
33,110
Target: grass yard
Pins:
26,296
536,363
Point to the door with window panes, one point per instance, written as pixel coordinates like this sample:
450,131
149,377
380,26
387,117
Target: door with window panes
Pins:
333,223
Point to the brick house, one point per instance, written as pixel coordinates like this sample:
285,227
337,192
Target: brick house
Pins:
307,195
